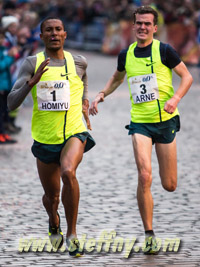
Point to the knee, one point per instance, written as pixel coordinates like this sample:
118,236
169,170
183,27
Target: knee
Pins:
170,186
145,179
51,199
68,175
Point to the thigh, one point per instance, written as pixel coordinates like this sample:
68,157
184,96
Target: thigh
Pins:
50,177
72,154
167,159
142,146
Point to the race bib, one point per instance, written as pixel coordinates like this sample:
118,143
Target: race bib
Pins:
144,88
53,95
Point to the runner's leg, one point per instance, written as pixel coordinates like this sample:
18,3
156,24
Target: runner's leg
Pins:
71,156
167,159
142,150
50,178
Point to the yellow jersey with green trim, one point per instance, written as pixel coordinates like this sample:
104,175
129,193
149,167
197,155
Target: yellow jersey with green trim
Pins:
57,103
150,86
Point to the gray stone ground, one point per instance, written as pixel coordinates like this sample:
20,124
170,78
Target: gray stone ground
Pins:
108,181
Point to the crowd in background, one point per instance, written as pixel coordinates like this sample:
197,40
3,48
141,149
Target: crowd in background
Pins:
19,34
106,26
100,25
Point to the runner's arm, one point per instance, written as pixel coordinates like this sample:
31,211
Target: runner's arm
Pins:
25,82
185,84
85,84
85,101
81,66
110,87
21,89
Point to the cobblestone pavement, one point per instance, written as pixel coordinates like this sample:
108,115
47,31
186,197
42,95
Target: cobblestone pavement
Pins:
108,181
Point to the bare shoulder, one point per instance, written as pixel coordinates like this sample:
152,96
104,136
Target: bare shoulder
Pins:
80,61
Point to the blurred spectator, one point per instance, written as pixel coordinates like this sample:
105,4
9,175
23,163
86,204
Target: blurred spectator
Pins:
7,58
1,8
9,8
23,34
31,20
27,45
10,25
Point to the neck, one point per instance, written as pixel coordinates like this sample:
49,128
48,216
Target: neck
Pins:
144,43
55,54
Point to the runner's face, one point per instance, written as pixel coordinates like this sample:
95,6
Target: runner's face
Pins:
53,34
144,28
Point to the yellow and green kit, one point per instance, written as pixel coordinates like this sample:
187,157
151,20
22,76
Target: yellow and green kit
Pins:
150,86
57,103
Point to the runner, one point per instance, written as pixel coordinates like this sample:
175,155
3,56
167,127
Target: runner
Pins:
148,64
56,80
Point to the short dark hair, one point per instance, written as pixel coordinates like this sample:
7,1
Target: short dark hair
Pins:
146,10
49,18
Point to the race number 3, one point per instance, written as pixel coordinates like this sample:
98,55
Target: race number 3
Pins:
144,90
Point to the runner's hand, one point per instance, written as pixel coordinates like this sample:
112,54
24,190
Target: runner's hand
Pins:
171,104
85,107
37,76
99,98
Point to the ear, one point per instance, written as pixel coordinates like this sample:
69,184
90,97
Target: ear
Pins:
155,28
65,35
41,36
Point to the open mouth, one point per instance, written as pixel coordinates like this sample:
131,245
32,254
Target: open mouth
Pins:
53,40
142,32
